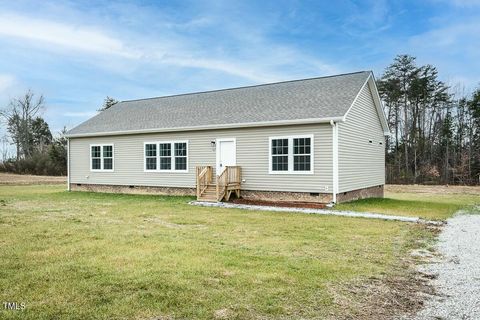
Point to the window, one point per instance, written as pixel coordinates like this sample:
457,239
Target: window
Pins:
107,157
150,156
291,155
165,156
280,155
96,158
101,156
180,156
301,154
171,156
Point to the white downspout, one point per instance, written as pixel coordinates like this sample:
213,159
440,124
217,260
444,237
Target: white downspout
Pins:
335,159
68,164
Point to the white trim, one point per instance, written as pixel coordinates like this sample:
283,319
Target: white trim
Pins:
376,100
68,164
335,160
355,99
217,147
380,109
210,127
290,154
172,156
101,145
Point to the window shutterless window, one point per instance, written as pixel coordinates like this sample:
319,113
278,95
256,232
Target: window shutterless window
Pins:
291,155
150,156
279,154
180,155
101,157
171,156
301,154
165,156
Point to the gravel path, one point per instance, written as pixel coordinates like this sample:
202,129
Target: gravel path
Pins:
368,215
458,272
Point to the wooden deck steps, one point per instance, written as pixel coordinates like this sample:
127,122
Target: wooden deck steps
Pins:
210,194
226,184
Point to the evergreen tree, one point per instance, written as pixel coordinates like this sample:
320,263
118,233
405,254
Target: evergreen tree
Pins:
108,103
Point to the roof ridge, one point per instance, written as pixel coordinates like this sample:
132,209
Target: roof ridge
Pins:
250,86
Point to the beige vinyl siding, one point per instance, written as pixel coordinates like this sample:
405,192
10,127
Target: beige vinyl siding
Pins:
252,155
361,164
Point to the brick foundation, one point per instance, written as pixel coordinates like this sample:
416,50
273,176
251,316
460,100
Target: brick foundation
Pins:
286,196
171,191
371,192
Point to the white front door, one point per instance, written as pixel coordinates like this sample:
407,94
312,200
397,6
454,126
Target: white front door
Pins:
226,154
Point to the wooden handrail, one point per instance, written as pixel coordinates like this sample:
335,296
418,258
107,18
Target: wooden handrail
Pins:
204,177
229,179
226,182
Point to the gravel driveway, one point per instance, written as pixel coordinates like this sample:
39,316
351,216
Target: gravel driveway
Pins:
458,272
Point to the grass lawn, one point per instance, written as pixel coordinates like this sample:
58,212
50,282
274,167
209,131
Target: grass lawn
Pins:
105,256
420,202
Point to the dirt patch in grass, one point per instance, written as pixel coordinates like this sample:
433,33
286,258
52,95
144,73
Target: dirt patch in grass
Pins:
384,298
26,179
391,296
437,189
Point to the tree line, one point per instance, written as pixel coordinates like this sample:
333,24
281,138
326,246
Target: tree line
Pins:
435,128
37,151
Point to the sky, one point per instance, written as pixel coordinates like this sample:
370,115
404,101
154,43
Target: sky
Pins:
76,53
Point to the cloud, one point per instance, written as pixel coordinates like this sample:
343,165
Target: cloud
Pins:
170,46
77,37
454,37
453,48
6,82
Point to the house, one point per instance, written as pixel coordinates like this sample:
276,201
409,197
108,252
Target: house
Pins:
313,140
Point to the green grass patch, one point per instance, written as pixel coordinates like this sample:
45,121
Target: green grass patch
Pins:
109,256
424,205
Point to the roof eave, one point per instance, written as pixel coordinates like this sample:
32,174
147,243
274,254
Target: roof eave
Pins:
210,127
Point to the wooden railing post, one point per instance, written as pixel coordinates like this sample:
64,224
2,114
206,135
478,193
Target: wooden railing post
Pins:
197,181
225,183
217,189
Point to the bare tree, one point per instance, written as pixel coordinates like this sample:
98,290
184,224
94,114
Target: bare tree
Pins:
19,116
5,147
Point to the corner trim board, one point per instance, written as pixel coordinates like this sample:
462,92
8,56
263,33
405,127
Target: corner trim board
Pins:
68,164
335,160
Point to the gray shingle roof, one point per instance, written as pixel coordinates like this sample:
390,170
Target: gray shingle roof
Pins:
317,98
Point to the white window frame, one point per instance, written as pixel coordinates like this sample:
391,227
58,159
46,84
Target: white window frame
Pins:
101,145
172,156
145,157
291,155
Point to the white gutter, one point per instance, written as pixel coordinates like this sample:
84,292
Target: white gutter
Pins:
68,164
210,127
335,159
